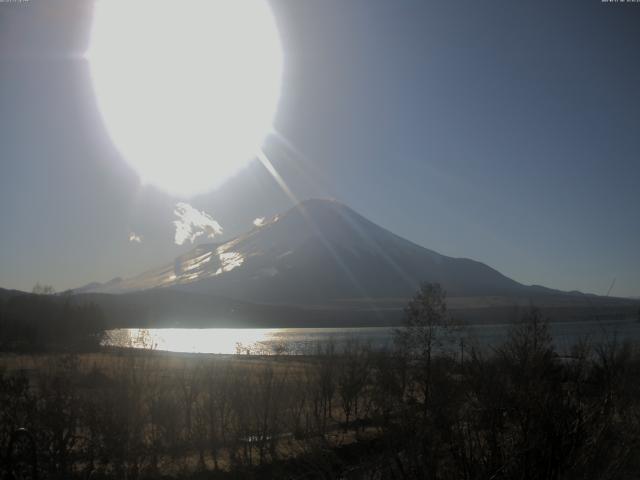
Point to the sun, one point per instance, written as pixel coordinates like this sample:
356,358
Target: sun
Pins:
187,89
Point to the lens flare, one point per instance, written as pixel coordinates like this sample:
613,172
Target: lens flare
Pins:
187,90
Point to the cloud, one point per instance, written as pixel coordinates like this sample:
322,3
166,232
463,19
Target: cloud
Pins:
135,238
192,223
258,222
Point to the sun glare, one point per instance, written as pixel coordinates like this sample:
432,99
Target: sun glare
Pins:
187,89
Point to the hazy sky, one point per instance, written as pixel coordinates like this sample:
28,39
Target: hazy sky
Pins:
503,131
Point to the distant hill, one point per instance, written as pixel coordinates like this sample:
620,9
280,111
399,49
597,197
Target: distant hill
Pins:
174,308
5,294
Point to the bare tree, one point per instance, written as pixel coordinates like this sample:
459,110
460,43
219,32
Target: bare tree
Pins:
40,289
427,328
352,378
190,383
217,405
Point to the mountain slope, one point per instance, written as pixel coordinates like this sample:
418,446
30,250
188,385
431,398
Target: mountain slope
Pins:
320,252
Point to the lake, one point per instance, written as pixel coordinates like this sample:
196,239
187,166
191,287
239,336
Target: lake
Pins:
269,341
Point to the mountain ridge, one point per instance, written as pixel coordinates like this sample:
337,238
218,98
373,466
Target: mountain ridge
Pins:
320,252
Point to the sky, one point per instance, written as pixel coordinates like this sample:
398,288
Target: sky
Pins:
507,132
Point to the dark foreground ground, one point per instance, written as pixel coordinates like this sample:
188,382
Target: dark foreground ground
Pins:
520,411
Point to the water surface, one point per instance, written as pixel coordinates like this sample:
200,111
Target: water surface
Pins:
268,341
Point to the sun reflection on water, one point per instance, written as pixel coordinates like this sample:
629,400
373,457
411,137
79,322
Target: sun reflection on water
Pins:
210,340
253,341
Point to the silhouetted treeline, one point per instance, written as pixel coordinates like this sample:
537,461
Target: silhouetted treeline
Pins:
37,322
419,411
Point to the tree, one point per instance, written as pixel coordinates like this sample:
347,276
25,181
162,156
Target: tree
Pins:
427,327
352,378
529,347
39,289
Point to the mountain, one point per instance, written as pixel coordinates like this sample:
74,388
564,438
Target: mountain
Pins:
322,264
321,252
97,286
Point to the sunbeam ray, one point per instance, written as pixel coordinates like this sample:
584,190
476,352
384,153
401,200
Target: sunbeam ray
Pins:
369,241
278,178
